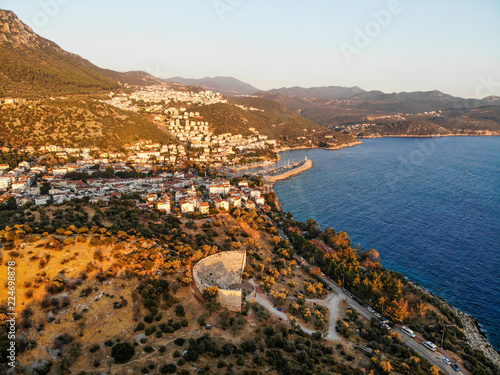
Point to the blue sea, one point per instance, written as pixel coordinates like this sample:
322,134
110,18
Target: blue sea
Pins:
429,206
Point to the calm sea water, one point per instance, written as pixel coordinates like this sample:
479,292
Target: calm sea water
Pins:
430,206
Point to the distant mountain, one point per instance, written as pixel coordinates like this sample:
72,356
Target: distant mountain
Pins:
335,107
379,96
32,66
329,92
406,101
228,86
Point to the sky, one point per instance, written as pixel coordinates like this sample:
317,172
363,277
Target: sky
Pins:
390,45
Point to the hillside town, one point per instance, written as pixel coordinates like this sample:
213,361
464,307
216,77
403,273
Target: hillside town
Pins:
159,176
168,192
167,108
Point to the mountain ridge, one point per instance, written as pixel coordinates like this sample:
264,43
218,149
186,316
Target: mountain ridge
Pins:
33,66
228,86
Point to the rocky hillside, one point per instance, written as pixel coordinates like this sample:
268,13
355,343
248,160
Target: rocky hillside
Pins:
74,123
32,66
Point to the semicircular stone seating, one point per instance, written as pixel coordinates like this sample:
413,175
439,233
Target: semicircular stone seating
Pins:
222,270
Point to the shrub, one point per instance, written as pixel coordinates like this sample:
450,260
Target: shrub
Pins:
94,348
33,239
168,369
269,330
62,340
81,239
179,342
179,311
69,241
122,352
150,330
56,286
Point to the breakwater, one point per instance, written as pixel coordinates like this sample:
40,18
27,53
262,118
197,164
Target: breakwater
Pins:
284,172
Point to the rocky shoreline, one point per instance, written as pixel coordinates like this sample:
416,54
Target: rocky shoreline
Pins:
344,145
472,329
352,144
488,134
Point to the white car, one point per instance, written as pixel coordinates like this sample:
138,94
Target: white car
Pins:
370,309
447,361
377,314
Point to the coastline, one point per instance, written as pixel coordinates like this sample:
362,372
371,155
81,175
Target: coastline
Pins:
344,145
476,338
472,330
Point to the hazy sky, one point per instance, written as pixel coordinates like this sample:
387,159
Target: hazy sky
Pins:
406,45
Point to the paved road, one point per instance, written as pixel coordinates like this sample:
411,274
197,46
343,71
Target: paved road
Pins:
434,358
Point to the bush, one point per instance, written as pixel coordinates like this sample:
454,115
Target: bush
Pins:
149,349
62,340
109,343
179,311
122,352
269,331
168,369
69,242
150,330
249,346
56,286
179,342
94,348
33,239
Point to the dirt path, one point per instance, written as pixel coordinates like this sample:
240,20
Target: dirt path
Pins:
332,302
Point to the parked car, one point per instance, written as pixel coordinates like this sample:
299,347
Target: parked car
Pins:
370,309
377,314
455,367
447,361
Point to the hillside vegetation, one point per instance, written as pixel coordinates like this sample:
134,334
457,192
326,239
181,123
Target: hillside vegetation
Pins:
108,288
74,123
